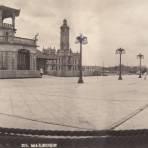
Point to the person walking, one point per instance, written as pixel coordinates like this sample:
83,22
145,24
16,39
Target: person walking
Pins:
145,75
41,72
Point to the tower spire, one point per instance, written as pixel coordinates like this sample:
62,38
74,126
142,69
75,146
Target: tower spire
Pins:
64,39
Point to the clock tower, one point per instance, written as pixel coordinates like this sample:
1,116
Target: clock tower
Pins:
64,38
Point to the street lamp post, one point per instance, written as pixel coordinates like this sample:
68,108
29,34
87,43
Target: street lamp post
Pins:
103,68
140,57
82,40
120,51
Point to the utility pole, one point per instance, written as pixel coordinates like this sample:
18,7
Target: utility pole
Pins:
103,68
140,57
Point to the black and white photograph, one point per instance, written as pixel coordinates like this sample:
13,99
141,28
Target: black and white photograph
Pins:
73,74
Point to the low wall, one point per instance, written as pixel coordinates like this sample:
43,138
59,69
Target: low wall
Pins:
12,74
69,73
64,73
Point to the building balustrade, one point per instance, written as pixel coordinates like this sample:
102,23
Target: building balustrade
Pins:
6,25
17,40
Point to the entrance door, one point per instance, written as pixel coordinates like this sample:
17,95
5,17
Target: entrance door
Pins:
23,59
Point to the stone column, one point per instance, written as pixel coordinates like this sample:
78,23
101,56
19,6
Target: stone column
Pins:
13,20
1,18
14,60
9,60
32,61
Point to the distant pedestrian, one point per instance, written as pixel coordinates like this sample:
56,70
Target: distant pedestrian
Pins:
145,75
41,72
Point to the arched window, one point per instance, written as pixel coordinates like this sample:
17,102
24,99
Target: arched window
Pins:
23,59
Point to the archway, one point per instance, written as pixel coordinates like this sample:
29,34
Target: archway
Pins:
23,59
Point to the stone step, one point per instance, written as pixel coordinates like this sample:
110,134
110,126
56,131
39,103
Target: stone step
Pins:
12,74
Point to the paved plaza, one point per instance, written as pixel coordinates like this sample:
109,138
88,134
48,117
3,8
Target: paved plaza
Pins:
98,104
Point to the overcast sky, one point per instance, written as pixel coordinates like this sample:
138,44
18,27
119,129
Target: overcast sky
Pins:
108,24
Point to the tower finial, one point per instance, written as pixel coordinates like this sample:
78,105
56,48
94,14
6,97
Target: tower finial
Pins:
64,22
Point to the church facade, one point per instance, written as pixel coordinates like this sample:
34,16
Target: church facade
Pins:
17,54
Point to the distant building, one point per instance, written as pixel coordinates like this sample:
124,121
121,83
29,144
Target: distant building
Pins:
45,57
65,61
17,55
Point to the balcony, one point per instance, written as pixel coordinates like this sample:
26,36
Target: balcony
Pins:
5,25
17,41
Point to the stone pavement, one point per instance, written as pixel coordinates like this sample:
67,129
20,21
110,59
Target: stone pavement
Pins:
96,104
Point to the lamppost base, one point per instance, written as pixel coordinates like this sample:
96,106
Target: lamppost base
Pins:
120,78
140,76
80,80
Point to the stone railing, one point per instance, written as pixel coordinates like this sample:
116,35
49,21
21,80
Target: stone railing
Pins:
5,25
17,40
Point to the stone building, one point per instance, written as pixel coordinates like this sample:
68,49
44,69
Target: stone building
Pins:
63,62
17,54
66,62
43,58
